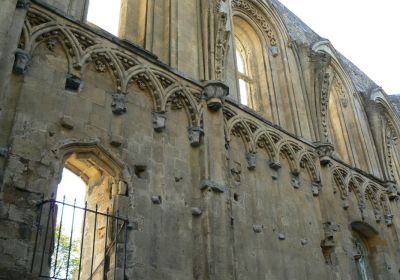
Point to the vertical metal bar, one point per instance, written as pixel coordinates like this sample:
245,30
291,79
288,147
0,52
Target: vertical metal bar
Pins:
82,237
59,235
125,245
105,246
37,236
115,245
45,236
70,239
94,241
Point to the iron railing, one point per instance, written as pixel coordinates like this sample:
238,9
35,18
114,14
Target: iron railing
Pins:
96,250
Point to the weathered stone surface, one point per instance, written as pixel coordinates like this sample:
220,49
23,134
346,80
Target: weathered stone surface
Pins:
209,212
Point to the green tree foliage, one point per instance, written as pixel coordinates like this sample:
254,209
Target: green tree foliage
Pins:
63,249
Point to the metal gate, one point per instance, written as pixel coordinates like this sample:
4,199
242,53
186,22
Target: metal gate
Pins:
74,242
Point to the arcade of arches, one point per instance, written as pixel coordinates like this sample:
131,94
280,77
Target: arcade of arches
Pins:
224,138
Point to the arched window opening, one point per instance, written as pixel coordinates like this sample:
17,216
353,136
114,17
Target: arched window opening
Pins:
361,259
250,65
80,232
362,234
105,14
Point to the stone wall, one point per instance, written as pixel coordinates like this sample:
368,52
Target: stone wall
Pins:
211,188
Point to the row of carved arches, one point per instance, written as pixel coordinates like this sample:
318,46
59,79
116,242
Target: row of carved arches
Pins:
279,146
364,190
83,48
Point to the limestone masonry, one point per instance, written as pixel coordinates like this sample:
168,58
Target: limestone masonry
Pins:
218,139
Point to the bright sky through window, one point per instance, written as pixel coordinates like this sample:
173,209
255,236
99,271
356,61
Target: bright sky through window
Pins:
365,31
105,14
242,83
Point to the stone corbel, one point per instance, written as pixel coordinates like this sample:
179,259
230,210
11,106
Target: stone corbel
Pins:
295,180
392,190
159,121
275,166
22,61
118,104
215,92
325,152
195,134
23,4
251,160
315,187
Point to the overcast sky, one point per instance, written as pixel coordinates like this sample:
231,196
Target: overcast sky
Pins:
366,31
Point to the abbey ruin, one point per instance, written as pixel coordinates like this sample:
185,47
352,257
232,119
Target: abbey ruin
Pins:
218,140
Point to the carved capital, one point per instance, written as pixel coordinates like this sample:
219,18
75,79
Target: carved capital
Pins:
118,104
159,120
195,134
24,4
22,61
325,151
215,92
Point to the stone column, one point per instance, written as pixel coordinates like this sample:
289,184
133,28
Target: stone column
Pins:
215,192
12,15
376,124
132,25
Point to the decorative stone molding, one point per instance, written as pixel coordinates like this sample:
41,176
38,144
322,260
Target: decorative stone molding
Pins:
159,121
325,152
260,18
221,40
212,186
22,61
251,161
118,103
72,82
195,134
24,4
215,92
